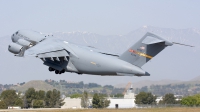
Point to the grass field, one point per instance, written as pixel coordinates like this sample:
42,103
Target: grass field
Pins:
183,109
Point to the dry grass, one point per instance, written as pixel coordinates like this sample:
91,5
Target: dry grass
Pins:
111,110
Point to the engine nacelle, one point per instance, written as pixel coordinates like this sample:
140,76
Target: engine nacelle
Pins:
24,43
15,48
28,35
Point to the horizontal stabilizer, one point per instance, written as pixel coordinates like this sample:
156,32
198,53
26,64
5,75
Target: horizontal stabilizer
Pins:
182,44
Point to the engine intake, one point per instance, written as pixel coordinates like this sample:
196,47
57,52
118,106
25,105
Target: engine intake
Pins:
15,48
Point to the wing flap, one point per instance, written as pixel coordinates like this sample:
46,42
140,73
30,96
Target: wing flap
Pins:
53,54
50,47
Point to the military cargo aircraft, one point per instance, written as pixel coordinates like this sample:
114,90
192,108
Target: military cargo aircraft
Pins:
62,56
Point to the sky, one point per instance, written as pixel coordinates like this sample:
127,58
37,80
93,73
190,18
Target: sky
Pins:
105,17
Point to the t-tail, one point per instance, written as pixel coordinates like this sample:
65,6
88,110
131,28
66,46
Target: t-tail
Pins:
145,49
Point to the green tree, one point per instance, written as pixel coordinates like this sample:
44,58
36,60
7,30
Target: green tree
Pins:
76,95
48,99
84,100
41,95
30,96
38,104
108,86
99,101
168,99
3,105
52,99
144,89
25,105
9,97
95,101
106,103
19,102
145,98
191,100
103,102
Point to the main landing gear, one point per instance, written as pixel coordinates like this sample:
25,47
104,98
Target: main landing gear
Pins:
56,71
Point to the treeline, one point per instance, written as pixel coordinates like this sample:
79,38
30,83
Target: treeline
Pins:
80,85
98,100
180,89
78,95
31,99
191,100
7,86
69,88
147,98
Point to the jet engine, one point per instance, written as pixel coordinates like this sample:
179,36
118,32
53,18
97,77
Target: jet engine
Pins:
15,48
24,43
27,35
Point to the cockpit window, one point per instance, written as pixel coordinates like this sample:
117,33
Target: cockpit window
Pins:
13,34
16,33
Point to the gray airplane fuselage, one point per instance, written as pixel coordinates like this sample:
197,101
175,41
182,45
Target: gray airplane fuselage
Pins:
91,62
62,56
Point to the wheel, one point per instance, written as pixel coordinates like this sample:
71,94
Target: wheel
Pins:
57,72
63,71
51,69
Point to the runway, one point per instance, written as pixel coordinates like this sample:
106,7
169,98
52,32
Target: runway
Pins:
169,109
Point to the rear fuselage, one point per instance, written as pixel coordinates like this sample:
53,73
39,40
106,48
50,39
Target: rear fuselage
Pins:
90,62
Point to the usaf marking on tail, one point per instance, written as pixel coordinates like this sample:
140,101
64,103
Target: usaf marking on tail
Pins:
62,56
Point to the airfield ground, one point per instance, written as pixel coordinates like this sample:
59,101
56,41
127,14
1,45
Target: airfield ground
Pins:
182,109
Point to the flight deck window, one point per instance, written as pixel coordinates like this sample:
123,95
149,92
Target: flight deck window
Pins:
16,33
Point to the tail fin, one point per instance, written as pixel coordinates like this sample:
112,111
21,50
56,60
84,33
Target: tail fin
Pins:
145,49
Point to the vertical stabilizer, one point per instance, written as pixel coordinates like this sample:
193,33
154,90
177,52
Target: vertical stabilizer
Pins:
145,49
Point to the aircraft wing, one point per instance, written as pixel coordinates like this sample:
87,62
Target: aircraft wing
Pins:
50,48
90,48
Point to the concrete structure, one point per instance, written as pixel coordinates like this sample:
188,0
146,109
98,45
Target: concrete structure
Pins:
122,103
127,102
71,103
158,99
14,107
129,94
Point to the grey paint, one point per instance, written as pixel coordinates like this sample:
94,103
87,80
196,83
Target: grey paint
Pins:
149,45
62,56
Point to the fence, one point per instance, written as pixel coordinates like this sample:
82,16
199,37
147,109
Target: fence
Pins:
161,105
